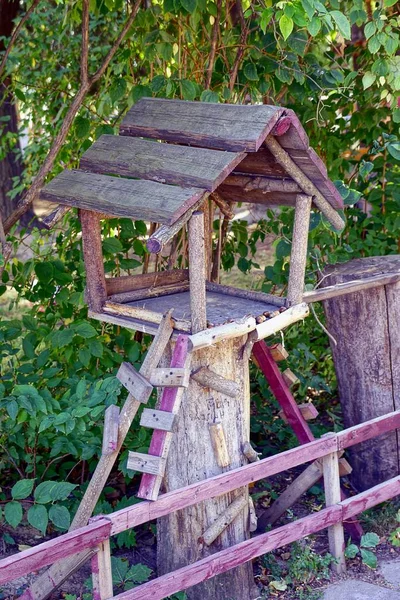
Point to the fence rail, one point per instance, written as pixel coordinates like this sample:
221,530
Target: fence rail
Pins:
100,529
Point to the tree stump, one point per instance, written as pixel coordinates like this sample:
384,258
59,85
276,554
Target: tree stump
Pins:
192,458
366,326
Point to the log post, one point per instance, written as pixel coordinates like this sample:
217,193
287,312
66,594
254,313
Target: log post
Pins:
365,325
179,534
197,272
93,255
298,255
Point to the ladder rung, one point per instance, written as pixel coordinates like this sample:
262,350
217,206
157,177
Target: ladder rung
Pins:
135,383
172,377
158,419
146,463
110,433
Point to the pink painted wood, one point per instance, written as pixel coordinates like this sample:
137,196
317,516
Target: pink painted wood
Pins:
49,552
380,493
369,429
167,403
282,126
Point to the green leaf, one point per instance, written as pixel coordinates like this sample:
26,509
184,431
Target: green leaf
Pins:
61,490
369,559
368,79
342,22
29,322
112,245
119,570
44,271
138,573
188,89
85,330
374,44
250,72
394,150
140,91
389,3
117,89
84,356
209,96
369,29
12,409
365,168
38,517
59,515
96,348
62,338
314,26
266,17
43,492
369,540
82,127
22,489
279,585
286,26
189,5
13,513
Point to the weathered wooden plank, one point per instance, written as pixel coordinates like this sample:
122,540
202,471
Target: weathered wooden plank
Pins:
295,313
197,272
289,377
138,313
102,572
164,163
158,419
146,463
130,323
170,377
349,287
330,466
133,198
151,292
365,500
110,432
208,337
134,382
308,412
93,255
370,429
229,290
129,283
231,127
33,559
278,352
219,444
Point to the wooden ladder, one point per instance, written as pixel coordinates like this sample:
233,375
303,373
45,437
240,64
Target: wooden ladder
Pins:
173,380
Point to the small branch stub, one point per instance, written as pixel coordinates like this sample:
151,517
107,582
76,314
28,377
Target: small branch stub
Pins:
250,453
219,445
208,378
224,520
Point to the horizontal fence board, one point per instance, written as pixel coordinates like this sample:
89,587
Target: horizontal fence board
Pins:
369,429
114,196
165,163
49,552
365,500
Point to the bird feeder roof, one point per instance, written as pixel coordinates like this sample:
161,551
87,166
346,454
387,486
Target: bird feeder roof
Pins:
206,146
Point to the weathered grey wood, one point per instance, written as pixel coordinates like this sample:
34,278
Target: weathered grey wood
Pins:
293,314
289,377
45,584
152,292
133,198
225,519
250,453
102,572
232,127
164,163
169,377
260,189
298,254
158,419
142,314
306,184
129,283
146,463
308,412
252,516
278,352
178,533
218,442
330,466
210,337
130,323
349,287
247,294
365,325
110,432
134,382
208,378
197,272
93,255
165,233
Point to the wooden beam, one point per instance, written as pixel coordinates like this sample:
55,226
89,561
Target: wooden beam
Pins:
102,572
170,377
218,442
350,287
110,432
208,378
298,254
152,292
330,465
141,314
134,382
292,315
129,283
93,256
214,335
197,272
224,520
304,182
158,419
146,463
247,294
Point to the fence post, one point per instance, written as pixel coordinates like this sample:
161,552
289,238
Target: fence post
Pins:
102,573
330,464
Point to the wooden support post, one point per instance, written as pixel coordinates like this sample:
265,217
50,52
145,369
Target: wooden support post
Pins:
110,432
283,158
93,255
102,573
219,444
146,463
208,378
298,255
44,585
225,519
330,464
197,272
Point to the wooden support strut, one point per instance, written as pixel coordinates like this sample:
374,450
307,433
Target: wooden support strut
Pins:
197,272
283,158
93,255
298,255
48,581
330,465
102,572
224,520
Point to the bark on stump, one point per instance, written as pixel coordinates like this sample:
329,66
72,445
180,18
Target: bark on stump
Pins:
366,326
191,459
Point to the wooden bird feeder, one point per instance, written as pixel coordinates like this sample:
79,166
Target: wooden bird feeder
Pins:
231,153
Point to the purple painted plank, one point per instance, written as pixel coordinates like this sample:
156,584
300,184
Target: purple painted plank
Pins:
167,403
47,553
379,493
369,429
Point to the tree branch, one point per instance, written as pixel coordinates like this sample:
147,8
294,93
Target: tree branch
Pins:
213,50
85,43
15,35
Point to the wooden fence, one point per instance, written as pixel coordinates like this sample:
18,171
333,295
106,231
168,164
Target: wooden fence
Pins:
95,536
